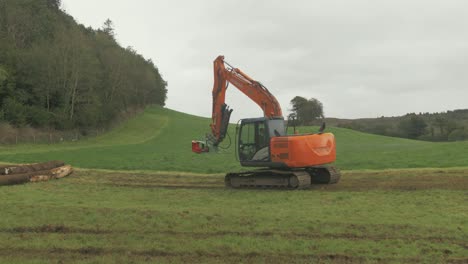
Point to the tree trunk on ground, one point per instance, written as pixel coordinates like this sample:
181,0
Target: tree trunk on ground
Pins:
20,169
36,176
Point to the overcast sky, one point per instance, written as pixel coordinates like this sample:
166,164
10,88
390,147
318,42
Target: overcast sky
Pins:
359,58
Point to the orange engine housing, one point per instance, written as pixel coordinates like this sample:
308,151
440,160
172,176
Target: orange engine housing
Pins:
299,151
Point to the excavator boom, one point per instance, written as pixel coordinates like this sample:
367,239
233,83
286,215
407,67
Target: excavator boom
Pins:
253,89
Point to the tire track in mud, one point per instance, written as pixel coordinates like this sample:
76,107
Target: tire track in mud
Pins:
199,255
368,183
54,229
60,229
402,180
227,255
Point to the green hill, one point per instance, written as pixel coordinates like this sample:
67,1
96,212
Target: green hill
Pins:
159,140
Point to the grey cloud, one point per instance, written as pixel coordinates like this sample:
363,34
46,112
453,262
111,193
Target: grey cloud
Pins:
360,58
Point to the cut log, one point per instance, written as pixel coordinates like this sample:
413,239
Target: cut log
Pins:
56,173
13,179
36,176
22,169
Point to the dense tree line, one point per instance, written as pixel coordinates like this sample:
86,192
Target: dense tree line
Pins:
446,126
56,73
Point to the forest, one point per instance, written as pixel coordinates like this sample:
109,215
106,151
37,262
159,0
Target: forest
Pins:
58,74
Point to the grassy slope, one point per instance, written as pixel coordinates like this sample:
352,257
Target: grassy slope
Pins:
159,140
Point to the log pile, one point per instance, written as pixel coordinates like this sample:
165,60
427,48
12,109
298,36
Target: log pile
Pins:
22,173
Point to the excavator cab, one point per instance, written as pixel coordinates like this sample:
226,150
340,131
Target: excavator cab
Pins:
254,136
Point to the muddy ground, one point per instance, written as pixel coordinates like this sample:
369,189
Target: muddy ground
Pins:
411,179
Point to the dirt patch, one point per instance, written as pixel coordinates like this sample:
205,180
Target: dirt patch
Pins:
171,186
227,254
53,229
402,180
198,256
312,235
289,235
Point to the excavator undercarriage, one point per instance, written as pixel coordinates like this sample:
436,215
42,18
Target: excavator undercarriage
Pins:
283,179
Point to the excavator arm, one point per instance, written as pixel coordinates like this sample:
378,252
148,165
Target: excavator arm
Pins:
225,74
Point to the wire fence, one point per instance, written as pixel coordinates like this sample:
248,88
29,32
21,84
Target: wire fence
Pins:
12,136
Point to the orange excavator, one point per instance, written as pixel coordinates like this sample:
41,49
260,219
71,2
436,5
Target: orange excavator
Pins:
285,161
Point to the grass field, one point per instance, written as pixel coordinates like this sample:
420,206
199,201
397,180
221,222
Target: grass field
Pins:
130,204
374,216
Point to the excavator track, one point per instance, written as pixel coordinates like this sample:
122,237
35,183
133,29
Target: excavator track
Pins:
268,179
326,174
282,179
